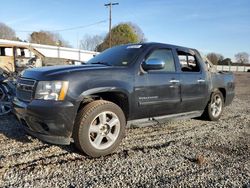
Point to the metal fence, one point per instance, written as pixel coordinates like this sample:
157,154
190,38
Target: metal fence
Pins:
233,68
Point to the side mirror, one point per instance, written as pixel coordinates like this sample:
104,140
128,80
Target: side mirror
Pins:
153,64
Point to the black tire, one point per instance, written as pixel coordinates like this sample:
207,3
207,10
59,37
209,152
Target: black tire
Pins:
92,115
208,113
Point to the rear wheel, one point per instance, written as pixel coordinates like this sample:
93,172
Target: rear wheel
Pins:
215,106
99,128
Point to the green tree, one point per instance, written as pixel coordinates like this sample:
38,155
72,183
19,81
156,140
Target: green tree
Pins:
226,61
121,34
138,31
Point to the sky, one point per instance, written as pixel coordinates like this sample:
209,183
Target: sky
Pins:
221,26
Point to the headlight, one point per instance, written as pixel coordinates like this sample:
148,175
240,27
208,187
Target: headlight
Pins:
51,90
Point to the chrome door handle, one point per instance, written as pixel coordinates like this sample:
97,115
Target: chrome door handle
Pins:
200,81
174,81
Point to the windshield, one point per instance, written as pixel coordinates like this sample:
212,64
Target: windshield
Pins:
117,56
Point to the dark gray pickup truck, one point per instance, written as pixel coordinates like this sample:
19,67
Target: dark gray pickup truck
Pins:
91,104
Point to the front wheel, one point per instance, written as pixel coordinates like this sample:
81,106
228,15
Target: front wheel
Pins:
99,128
215,106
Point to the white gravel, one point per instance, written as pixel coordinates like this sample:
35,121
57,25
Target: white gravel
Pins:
184,153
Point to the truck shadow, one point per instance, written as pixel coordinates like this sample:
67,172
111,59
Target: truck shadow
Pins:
11,128
201,119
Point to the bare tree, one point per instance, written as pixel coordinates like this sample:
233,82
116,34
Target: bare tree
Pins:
6,32
242,57
91,42
48,38
215,57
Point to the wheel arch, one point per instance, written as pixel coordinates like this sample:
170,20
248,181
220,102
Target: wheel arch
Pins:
207,113
223,92
112,94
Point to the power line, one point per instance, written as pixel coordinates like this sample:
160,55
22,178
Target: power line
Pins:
67,29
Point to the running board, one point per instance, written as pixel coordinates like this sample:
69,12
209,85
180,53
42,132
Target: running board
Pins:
162,119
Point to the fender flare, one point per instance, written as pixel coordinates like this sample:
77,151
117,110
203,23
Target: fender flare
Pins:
101,90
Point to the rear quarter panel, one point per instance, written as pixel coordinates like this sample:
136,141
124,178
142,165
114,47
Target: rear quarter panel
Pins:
224,80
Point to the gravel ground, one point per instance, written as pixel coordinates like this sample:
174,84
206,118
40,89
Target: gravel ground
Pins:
184,153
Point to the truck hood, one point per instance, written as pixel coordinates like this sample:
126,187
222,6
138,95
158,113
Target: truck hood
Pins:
43,73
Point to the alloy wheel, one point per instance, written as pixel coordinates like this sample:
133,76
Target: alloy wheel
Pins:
104,130
216,105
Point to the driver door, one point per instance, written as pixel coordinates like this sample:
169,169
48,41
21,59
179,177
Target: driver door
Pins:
161,93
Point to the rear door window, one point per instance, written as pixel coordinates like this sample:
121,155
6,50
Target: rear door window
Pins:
188,62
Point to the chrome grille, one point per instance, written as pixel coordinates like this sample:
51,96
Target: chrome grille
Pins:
25,89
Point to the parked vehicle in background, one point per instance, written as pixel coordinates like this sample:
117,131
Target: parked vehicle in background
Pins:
92,103
7,91
17,56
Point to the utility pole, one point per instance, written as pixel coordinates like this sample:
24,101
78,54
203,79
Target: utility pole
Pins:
110,19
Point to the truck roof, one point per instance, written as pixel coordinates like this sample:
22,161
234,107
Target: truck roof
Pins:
161,44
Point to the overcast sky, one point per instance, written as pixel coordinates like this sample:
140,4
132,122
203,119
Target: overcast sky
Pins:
221,26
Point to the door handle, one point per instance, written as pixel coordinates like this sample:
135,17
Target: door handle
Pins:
200,81
174,81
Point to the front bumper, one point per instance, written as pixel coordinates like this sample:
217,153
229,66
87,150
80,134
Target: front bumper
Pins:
50,121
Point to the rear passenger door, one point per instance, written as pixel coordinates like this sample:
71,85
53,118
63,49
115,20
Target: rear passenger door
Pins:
194,87
162,89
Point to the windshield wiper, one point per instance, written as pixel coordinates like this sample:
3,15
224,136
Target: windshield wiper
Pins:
102,63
